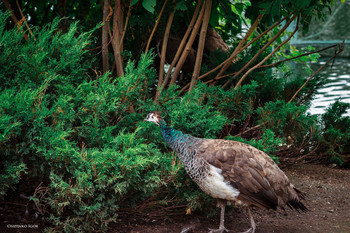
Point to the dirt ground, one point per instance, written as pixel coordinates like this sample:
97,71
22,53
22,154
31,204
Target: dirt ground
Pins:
327,197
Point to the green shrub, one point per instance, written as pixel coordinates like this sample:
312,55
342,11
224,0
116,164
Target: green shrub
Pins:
335,140
124,171
287,120
73,133
192,114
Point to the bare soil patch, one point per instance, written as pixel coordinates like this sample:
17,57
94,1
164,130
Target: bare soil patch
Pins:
327,197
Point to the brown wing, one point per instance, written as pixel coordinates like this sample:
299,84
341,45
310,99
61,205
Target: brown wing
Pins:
247,169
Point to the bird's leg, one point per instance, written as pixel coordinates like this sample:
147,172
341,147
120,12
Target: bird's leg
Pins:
252,222
222,205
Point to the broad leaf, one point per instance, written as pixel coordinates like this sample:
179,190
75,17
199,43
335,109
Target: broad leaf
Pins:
149,5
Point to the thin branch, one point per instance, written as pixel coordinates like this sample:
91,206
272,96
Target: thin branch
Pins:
234,54
250,129
20,11
201,43
268,56
220,77
14,19
261,50
336,53
156,25
188,46
164,49
228,60
249,43
125,25
260,63
292,58
182,44
109,28
240,45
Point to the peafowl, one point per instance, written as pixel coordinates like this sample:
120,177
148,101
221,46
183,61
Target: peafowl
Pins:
232,171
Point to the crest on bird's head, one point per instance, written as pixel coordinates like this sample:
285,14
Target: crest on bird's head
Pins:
154,117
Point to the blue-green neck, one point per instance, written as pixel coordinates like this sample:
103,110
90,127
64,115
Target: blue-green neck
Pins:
175,138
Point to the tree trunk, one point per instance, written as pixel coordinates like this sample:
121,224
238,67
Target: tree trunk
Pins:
163,53
116,37
105,63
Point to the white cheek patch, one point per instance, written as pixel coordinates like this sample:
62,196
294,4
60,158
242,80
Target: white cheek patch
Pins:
215,185
155,120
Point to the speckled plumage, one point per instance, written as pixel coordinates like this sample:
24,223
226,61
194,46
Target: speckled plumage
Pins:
185,146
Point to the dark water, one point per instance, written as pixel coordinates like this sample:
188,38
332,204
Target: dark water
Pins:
334,29
337,87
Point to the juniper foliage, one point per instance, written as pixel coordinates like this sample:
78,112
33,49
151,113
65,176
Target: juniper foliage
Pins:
71,132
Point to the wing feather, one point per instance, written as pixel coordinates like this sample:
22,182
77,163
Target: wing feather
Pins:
243,170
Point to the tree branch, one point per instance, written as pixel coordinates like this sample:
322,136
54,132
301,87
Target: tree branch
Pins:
156,25
268,56
105,63
188,46
336,53
261,50
14,19
240,45
182,44
249,43
292,58
201,43
164,48
125,25
25,19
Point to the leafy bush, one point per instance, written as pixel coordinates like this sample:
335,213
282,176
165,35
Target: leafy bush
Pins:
102,180
192,114
286,119
73,133
335,141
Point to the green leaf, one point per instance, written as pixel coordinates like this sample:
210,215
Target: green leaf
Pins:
149,5
214,17
181,6
133,2
303,4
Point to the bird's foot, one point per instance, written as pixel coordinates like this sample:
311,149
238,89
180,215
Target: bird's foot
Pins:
220,230
250,230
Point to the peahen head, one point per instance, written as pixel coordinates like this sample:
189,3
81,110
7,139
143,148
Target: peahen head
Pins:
154,117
